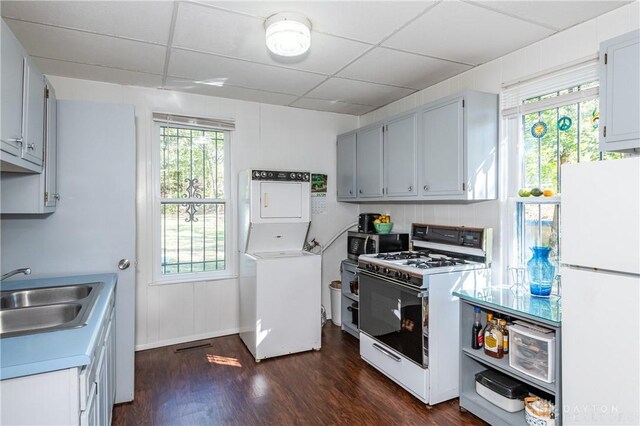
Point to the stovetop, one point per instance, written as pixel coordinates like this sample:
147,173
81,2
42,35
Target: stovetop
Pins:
417,262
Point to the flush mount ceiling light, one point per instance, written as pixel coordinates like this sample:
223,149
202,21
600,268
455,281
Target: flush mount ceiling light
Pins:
288,34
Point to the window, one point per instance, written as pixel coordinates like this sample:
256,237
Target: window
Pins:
192,203
556,128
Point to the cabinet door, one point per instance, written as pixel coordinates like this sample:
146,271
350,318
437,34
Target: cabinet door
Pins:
51,149
12,73
346,169
369,162
619,88
400,156
89,417
442,140
33,110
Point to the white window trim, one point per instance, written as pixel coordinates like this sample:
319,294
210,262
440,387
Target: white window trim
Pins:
512,109
157,278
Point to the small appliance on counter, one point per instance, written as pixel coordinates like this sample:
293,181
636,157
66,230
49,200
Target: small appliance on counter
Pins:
365,222
364,243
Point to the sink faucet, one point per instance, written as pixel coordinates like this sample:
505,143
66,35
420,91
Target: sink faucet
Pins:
25,271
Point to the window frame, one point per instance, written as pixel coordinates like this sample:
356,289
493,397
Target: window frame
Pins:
158,277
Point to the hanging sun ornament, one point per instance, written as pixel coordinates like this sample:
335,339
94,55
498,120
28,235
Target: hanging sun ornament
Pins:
539,129
564,123
595,118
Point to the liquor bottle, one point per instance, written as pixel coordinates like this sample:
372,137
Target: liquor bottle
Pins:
505,336
477,338
493,340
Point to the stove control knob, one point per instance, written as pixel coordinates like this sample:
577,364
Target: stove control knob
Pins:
385,271
299,175
256,173
306,176
263,174
367,266
293,175
405,276
398,274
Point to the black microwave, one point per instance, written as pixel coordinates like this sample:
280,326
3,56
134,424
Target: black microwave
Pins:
360,243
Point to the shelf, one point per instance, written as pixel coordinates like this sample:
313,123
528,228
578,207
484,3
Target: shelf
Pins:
351,296
536,200
503,366
489,412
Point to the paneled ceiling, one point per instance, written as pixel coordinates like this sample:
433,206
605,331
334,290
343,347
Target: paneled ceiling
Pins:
364,54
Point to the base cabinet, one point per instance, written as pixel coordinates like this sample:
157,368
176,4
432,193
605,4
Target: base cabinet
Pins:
73,396
619,89
349,299
474,361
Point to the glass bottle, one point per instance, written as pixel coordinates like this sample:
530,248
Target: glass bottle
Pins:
505,336
541,272
477,337
493,341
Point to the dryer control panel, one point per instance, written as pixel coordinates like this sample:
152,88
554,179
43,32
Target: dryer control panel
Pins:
280,176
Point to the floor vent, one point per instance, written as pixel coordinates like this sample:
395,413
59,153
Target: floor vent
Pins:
192,347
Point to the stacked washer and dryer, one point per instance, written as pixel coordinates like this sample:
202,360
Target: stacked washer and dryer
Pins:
279,281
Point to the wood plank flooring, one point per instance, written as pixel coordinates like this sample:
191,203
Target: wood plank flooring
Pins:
221,384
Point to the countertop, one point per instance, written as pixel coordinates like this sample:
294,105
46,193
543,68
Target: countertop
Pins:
50,351
544,309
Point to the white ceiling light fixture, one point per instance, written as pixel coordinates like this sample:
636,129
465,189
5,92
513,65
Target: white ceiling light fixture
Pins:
288,34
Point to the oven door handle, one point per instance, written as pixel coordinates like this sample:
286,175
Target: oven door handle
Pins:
416,290
394,357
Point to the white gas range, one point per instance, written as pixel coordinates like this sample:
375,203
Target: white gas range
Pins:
408,316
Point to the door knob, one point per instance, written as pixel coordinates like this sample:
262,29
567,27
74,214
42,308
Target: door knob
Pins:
123,264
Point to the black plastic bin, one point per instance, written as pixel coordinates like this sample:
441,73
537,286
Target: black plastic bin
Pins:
354,312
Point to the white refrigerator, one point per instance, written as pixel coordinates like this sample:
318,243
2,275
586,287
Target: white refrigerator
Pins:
600,273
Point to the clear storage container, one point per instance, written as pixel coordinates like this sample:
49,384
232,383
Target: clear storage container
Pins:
532,352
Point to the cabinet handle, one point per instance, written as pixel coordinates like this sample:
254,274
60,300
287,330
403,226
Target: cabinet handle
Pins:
16,140
56,197
31,146
394,357
426,187
350,192
410,188
360,191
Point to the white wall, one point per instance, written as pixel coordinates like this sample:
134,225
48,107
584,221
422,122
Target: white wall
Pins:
266,136
572,45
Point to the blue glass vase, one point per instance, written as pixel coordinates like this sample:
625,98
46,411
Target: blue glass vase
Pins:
541,272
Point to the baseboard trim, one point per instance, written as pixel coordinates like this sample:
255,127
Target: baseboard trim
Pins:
185,339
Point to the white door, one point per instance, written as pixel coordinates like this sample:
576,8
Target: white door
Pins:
94,225
281,200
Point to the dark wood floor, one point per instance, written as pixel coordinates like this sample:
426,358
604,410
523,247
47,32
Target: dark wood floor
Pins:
222,384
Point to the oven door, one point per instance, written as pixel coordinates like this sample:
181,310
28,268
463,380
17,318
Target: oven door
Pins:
392,313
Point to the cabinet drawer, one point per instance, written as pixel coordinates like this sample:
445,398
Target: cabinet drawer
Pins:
402,371
532,352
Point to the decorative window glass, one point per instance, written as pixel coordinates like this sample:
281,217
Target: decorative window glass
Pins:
192,201
552,136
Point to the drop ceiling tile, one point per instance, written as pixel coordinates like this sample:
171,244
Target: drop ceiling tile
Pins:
212,30
557,14
97,73
358,92
204,67
230,92
69,45
466,33
332,106
408,70
368,21
141,20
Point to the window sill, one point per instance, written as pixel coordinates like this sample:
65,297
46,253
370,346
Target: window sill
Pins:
536,200
192,279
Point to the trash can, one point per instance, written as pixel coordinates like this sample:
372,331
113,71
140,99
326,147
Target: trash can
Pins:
336,295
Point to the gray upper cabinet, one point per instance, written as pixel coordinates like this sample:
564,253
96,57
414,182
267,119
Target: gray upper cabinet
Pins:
23,106
619,89
369,149
400,155
444,150
441,153
346,166
12,71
